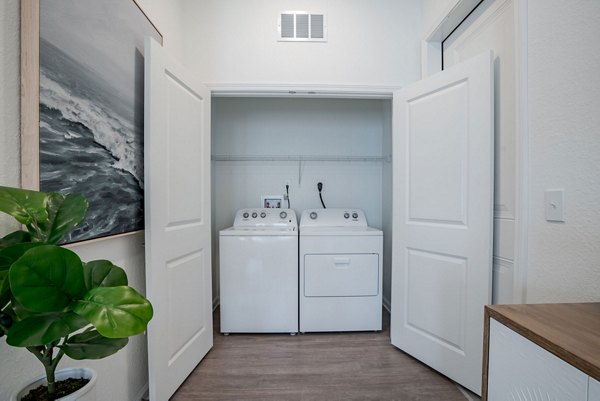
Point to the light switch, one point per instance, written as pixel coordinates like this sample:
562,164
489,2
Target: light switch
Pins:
554,200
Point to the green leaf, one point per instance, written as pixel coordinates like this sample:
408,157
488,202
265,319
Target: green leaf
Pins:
19,311
24,205
64,213
11,254
92,345
47,278
102,273
7,257
44,329
5,293
14,238
116,312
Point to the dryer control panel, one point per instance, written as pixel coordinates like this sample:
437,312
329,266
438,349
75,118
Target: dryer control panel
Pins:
333,218
265,217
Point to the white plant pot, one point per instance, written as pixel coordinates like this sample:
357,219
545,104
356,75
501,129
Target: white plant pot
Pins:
86,393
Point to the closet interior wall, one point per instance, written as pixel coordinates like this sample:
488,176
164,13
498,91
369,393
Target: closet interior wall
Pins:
260,144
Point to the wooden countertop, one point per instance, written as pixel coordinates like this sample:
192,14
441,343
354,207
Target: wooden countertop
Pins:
569,331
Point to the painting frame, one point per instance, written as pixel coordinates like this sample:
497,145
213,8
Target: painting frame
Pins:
30,100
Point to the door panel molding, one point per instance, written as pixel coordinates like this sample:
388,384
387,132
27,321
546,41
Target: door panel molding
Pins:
431,62
442,273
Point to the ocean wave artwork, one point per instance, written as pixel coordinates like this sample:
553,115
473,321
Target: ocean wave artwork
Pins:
91,113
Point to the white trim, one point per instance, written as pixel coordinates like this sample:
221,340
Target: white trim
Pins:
143,394
468,395
386,304
431,58
302,91
431,62
431,46
522,152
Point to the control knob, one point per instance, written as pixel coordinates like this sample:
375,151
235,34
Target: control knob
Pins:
263,215
254,215
313,215
355,215
245,215
283,215
346,215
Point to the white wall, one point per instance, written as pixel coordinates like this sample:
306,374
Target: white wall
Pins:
564,151
387,206
9,101
124,375
168,17
311,127
434,11
369,42
564,99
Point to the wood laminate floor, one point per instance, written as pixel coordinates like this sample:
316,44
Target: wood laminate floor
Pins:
311,367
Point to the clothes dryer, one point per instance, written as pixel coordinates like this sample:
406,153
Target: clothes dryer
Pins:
340,271
259,272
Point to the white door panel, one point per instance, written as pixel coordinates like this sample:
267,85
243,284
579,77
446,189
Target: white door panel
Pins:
443,199
178,232
494,25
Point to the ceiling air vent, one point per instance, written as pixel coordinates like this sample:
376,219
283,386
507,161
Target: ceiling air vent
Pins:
302,26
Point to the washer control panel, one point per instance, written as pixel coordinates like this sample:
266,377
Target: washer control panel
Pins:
265,217
333,218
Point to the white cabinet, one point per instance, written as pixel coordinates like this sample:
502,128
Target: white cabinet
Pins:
521,370
542,352
594,390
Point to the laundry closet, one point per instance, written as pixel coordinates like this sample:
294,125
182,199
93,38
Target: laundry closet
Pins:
261,144
417,160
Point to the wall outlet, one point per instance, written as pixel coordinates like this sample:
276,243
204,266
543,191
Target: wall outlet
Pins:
272,201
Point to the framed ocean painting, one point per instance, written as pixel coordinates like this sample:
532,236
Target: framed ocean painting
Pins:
82,73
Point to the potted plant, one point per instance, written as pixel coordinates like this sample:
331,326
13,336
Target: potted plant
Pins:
52,303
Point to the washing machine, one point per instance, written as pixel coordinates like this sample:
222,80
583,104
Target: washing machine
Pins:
340,271
259,272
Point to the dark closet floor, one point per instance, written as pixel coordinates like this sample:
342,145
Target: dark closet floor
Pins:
336,366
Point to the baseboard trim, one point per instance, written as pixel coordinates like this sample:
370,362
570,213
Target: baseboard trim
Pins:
468,394
143,394
387,304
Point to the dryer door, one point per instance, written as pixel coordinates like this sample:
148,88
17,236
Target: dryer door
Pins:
345,275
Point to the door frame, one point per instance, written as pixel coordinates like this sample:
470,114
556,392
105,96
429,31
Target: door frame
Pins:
305,91
302,91
431,62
